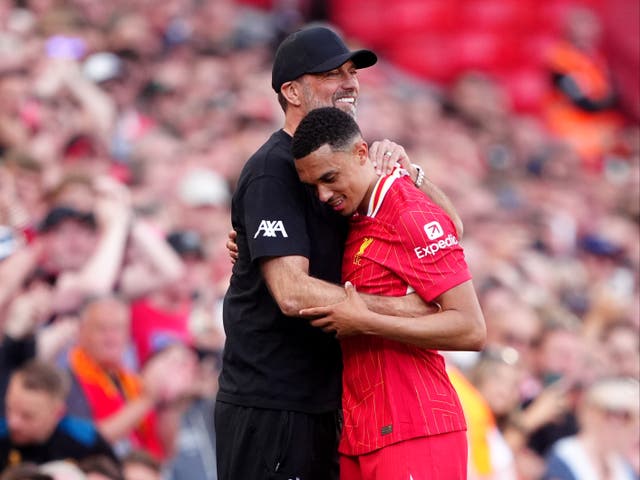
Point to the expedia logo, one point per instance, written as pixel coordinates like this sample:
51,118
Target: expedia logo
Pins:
434,247
433,230
270,228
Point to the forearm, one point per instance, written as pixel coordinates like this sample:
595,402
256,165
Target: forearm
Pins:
157,266
158,251
95,102
14,270
458,326
294,289
440,198
98,276
120,424
447,330
168,425
101,271
405,306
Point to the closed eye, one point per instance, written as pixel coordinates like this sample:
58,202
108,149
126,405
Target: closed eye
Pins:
331,178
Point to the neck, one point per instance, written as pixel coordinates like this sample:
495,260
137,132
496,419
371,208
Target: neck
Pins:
373,180
292,119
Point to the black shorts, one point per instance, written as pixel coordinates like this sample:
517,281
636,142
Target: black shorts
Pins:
261,444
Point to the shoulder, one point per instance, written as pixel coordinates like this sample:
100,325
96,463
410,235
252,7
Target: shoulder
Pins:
410,206
79,429
273,158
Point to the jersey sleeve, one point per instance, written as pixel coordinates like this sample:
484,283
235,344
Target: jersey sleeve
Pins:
430,258
274,216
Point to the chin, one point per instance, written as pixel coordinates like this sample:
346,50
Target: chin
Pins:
347,108
18,440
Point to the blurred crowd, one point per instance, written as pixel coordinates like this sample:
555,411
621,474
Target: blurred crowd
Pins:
123,128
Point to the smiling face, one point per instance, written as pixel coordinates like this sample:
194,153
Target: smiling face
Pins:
336,88
343,180
104,331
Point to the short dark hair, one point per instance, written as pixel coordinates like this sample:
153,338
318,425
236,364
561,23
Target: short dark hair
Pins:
324,126
24,471
40,376
142,457
103,465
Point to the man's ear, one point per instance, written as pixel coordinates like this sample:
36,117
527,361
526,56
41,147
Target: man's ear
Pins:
291,91
362,151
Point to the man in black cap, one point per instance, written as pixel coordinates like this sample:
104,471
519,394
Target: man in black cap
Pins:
278,407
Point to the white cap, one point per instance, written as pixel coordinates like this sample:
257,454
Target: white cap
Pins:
204,187
102,66
615,393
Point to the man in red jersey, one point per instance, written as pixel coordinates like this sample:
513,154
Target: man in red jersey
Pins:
402,417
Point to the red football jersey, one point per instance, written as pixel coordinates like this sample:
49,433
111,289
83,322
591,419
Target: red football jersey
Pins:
393,391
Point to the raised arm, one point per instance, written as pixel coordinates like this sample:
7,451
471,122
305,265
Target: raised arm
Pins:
156,264
99,274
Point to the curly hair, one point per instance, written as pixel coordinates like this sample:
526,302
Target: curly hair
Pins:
322,126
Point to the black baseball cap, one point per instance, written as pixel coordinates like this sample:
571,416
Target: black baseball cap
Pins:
59,214
186,243
314,50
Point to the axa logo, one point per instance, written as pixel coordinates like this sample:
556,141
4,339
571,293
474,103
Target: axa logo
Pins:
433,230
271,228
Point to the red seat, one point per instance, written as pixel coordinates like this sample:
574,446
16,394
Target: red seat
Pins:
427,56
496,15
364,21
406,17
527,87
481,50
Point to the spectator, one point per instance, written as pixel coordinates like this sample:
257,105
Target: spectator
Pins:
608,415
195,453
484,401
131,410
582,109
100,467
28,311
83,251
621,342
63,470
162,317
36,428
24,471
138,465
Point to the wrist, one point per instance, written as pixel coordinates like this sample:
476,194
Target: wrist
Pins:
519,424
420,175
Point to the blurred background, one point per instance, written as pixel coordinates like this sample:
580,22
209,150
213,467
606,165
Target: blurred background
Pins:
124,126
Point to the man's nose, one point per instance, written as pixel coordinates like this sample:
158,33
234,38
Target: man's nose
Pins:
324,193
350,82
